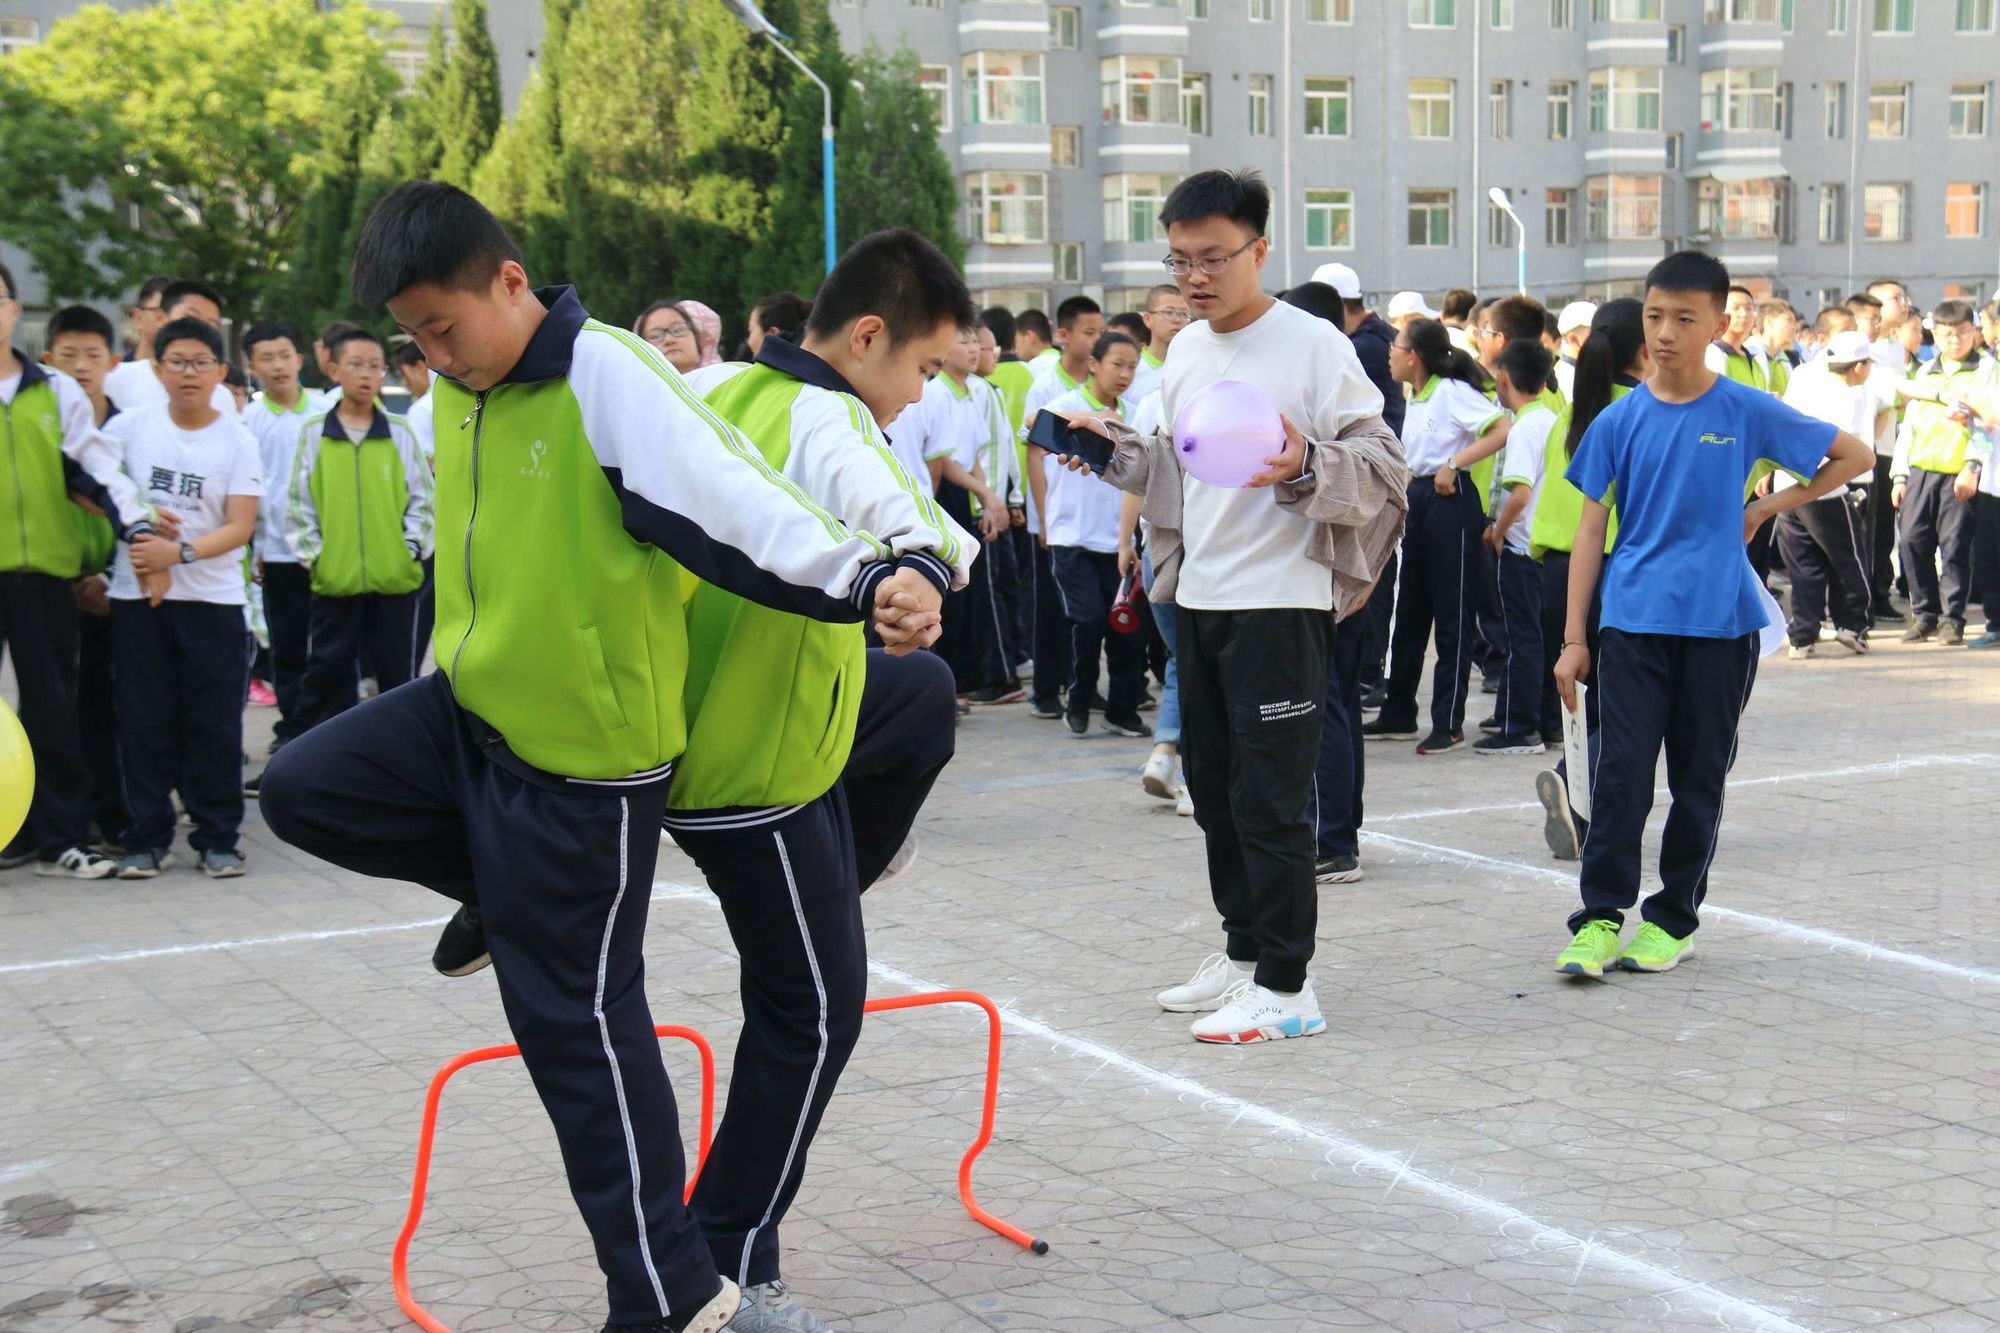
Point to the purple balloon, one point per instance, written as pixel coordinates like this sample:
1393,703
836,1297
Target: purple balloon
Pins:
1225,432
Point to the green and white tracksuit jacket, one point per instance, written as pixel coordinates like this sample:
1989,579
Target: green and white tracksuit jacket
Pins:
359,514
50,445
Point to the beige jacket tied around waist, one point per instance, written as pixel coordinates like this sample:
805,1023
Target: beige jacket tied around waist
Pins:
1355,492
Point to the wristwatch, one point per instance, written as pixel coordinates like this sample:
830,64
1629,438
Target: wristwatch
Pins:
188,556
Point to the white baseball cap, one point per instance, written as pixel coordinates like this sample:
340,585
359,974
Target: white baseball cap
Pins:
1575,315
1341,278
1848,348
1410,303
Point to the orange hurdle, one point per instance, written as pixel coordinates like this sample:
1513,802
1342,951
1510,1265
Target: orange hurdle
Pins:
400,1257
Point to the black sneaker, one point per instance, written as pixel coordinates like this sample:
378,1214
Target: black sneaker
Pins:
1078,723
1951,634
1552,739
1491,725
1441,742
714,1317
1372,701
1490,684
1127,726
14,860
251,784
461,947
1337,869
1147,703
1378,730
1887,611
1525,743
999,694
1558,825
1046,709
1920,630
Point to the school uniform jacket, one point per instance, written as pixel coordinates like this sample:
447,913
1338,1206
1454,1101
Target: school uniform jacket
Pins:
360,514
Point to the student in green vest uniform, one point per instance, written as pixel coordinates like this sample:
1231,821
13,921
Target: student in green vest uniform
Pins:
1081,321
579,482
276,353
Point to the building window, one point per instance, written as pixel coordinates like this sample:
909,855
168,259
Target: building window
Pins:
1065,145
1502,15
1065,26
1558,217
1329,108
1260,104
1968,111
1500,108
1673,147
1329,219
1008,207
1975,15
1888,110
1433,13
1066,261
1964,209
1329,11
1782,110
1194,103
1742,11
926,4
1260,11
1562,13
1836,111
1003,88
1132,203
1622,208
1430,108
1624,99
1885,212
1562,107
1897,16
935,80
1141,90
1735,99
1430,219
1832,212
1676,43
18,35
1625,11
1787,12
1195,9
407,59
1836,15
1499,227
1740,210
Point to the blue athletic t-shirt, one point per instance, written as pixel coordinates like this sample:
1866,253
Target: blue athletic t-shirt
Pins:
1680,566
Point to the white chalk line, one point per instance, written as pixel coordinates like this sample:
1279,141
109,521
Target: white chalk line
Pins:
1358,1156
1770,924
664,891
1816,775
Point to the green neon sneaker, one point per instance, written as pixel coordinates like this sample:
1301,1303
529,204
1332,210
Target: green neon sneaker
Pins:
1594,949
1653,950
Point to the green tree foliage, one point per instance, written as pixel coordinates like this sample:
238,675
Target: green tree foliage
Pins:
891,170
467,110
187,138
521,176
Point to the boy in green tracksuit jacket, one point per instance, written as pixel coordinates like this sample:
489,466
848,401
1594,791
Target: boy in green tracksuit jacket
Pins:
579,481
808,756
359,517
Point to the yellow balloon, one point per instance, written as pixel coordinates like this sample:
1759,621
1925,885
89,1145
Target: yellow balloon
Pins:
17,774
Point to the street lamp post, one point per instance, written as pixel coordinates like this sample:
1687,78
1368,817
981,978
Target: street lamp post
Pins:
748,14
1500,201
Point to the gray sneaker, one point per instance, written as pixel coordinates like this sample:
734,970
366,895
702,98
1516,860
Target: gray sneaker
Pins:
769,1308
222,865
143,863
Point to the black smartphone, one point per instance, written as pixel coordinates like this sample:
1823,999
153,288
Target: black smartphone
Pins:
1056,435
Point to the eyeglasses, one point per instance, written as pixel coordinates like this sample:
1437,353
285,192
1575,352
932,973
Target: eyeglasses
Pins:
1401,347
152,309
363,367
666,331
181,365
1210,265
1173,314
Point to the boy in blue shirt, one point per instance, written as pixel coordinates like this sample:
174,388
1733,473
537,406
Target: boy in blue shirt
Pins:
1678,646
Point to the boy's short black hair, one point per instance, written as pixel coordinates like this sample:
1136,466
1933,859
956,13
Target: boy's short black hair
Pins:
427,231
1736,287
1832,318
1035,322
1241,196
82,319
181,288
1551,325
1946,314
7,276
1517,318
333,332
899,277
1527,364
1161,289
356,334
1075,308
1864,301
999,322
409,354
1691,271
1131,322
189,329
1458,303
782,312
153,286
1109,339
231,375
270,331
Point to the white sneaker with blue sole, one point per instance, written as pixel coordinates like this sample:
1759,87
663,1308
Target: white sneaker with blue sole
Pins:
1253,1014
768,1307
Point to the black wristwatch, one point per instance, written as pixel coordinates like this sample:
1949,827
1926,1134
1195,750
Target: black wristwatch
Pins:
188,556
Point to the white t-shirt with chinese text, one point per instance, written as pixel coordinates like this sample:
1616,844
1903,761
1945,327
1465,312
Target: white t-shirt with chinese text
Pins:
192,473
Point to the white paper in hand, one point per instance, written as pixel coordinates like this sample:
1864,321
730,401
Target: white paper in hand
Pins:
1772,637
1576,754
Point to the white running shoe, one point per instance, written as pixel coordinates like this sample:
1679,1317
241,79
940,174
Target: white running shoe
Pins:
1157,777
1184,803
1206,989
1854,641
1255,1014
78,863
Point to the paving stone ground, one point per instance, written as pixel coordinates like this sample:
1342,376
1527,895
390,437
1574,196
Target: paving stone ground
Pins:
209,1092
